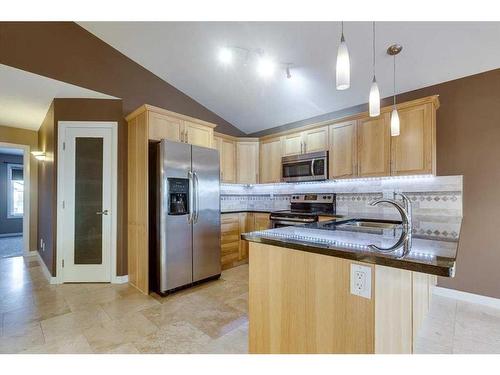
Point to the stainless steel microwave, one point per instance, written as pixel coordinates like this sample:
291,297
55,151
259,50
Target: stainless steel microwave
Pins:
306,167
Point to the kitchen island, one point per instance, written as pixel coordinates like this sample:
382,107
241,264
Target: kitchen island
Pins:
342,286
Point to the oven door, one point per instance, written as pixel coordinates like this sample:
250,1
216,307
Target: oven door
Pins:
314,169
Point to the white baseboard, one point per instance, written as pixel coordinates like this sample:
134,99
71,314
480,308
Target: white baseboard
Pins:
120,279
467,297
51,279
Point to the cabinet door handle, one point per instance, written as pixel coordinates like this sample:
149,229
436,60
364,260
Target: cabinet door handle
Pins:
305,147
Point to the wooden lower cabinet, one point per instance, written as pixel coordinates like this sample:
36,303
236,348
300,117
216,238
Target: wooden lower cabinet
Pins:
262,221
230,240
300,302
234,250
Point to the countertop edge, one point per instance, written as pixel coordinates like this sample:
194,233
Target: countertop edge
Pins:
360,257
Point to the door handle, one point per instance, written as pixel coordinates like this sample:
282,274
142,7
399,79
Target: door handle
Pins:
191,198
197,199
105,212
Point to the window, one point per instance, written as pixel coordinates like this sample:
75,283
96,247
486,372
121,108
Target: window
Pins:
15,190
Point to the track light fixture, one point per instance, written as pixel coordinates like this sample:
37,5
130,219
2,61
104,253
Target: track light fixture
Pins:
264,64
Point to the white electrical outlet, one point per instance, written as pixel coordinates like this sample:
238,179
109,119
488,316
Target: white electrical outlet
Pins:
361,281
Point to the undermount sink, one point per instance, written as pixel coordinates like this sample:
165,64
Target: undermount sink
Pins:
366,223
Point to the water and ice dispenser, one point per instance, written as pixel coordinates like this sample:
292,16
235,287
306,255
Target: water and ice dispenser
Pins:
178,196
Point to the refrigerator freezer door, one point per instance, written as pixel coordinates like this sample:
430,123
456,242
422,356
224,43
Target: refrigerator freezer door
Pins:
176,256
206,220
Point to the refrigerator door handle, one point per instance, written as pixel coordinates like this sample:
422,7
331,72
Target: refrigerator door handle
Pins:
197,198
191,198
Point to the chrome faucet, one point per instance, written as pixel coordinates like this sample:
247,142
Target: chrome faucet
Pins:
404,209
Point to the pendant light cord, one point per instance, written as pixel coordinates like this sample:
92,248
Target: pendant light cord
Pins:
373,48
394,81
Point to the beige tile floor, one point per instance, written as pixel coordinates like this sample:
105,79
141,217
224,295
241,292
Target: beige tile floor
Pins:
36,317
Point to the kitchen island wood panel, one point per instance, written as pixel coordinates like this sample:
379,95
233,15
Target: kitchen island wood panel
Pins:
301,302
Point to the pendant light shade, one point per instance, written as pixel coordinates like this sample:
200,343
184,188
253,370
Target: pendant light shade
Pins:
343,69
393,51
394,122
374,100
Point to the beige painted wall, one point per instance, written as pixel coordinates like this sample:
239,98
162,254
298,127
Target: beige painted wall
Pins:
28,138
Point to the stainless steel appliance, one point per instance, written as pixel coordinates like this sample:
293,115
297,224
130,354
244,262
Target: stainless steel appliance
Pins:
305,209
307,167
186,226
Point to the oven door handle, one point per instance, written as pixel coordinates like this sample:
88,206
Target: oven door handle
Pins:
312,167
292,220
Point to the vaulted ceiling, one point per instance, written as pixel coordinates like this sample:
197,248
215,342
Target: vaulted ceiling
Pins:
185,55
25,97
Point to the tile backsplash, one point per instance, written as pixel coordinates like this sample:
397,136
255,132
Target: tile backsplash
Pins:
439,197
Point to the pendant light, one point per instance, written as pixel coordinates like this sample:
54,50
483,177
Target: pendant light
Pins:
393,50
374,98
343,70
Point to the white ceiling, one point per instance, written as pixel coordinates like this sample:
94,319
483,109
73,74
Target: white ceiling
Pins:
25,97
184,54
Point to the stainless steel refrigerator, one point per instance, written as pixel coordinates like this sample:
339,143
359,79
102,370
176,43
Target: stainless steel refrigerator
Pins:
187,207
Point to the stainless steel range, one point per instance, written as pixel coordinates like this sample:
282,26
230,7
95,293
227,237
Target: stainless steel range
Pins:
305,209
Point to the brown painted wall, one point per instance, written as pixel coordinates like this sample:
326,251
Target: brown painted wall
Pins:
67,52
78,110
47,191
29,138
468,138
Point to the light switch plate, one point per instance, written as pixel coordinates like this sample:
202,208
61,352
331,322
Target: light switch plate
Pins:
361,280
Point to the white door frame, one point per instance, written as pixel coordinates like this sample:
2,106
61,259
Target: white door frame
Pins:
26,195
62,126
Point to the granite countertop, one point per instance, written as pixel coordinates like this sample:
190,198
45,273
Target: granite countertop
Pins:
427,253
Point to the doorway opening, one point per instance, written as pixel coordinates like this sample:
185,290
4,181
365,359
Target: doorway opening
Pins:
14,200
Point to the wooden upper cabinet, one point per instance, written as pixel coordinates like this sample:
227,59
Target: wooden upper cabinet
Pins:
315,140
414,150
270,160
198,134
343,150
164,127
374,146
247,162
227,152
164,124
293,144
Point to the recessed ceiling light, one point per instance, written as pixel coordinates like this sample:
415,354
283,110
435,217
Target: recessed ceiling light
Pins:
265,66
225,56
